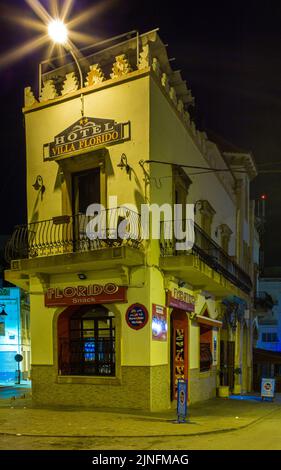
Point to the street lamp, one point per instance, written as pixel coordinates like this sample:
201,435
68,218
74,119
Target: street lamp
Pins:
3,313
58,33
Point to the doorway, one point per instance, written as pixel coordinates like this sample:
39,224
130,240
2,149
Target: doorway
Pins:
86,190
179,349
227,362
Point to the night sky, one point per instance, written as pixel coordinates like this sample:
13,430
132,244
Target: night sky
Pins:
229,54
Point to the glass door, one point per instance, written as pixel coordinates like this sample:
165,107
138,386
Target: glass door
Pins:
86,191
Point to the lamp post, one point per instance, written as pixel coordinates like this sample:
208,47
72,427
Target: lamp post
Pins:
58,33
3,313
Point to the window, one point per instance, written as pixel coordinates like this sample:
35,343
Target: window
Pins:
207,213
86,190
225,234
269,338
90,347
206,358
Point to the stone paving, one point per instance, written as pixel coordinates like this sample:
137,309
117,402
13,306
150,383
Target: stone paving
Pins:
19,417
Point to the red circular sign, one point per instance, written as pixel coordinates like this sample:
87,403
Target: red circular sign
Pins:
136,316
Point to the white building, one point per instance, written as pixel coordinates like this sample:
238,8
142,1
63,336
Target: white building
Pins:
269,313
14,334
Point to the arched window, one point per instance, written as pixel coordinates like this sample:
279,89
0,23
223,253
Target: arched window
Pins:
86,341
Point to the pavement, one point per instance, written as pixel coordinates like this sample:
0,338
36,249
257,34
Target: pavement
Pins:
19,417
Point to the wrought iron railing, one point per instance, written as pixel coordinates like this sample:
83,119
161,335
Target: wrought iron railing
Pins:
77,233
206,358
208,251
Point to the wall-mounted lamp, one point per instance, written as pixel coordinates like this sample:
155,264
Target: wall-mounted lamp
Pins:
82,276
198,203
3,313
39,185
124,163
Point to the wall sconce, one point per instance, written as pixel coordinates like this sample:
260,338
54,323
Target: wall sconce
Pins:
3,313
124,163
39,185
198,203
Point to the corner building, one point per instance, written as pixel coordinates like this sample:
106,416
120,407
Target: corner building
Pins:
117,322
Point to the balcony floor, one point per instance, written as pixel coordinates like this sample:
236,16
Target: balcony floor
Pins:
194,271
113,258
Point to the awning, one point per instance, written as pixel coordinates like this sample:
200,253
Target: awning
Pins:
208,321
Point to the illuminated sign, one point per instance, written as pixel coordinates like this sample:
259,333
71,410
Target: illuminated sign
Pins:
92,294
267,388
159,323
86,134
180,299
136,316
182,401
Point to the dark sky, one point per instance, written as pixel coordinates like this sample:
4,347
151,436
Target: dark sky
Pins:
229,54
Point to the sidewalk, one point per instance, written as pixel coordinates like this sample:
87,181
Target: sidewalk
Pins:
18,417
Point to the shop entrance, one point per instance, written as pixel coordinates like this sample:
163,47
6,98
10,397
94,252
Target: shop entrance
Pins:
179,349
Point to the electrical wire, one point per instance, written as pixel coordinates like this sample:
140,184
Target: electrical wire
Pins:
194,167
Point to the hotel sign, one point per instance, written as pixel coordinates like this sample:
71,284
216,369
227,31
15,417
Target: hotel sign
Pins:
86,134
81,295
180,299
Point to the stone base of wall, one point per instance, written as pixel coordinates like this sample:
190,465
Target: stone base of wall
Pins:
145,388
202,385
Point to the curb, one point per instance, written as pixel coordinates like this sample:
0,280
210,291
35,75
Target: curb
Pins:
102,436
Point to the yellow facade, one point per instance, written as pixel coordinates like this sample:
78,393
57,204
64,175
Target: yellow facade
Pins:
160,130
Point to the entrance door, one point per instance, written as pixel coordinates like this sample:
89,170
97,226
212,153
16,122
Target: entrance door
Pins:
227,361
230,363
179,350
86,191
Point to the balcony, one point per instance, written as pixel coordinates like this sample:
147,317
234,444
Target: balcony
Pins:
264,301
49,245
206,266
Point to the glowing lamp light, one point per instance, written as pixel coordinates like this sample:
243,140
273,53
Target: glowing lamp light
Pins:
58,31
263,197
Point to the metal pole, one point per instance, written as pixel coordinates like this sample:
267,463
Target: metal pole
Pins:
81,77
40,78
138,47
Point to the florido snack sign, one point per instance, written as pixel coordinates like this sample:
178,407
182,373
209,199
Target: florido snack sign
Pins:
86,133
92,294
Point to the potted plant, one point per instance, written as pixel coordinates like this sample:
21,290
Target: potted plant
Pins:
237,384
223,388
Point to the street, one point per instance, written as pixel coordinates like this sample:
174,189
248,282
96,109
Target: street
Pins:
263,435
12,391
